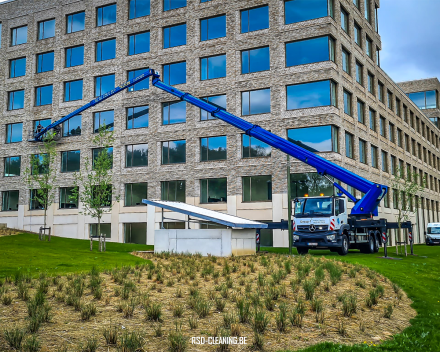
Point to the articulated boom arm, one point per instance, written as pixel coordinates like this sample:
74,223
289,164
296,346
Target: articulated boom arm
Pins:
366,206
373,192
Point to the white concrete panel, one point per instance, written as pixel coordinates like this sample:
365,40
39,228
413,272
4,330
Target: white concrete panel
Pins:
65,219
11,222
68,231
150,225
133,217
203,246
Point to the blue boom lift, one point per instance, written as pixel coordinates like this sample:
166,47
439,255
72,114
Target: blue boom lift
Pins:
319,222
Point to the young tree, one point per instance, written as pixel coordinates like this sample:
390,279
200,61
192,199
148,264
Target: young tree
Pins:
94,183
41,175
407,193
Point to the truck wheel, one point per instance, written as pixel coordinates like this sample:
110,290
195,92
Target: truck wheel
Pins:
302,250
376,241
344,249
368,247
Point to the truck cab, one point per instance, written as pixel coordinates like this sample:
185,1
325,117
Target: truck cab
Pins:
318,223
433,234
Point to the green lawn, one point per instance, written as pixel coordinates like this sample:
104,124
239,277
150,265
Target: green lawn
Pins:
61,255
420,278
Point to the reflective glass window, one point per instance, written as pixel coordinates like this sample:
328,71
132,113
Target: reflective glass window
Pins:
17,67
10,200
12,166
70,161
213,67
173,4
45,62
103,118
105,15
255,102
173,191
72,127
257,188
73,90
213,27
173,112
46,29
75,22
104,84
315,139
174,36
255,60
138,8
135,192
18,35
309,51
217,100
105,50
174,73
75,56
213,148
67,198
138,43
304,10
254,148
43,95
308,95
137,117
174,152
213,190
16,100
145,84
254,19
136,155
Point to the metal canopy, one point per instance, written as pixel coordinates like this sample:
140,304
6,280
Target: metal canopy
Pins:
206,214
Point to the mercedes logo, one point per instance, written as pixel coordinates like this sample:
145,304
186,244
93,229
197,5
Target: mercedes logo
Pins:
312,228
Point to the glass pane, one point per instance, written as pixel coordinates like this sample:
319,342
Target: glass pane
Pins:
175,73
173,4
106,50
217,190
216,67
174,36
218,100
308,95
307,51
105,230
259,101
104,84
314,139
259,60
261,188
139,8
255,19
145,84
216,27
139,43
174,112
431,99
217,148
303,10
136,232
140,155
138,117
311,184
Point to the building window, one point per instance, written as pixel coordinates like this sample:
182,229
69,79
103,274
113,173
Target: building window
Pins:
389,100
349,145
34,203
359,73
347,102
303,10
173,112
70,161
213,148
386,200
367,10
45,62
173,191
384,161
255,102
344,20
251,147
371,83
103,118
106,230
43,95
382,126
46,29
398,107
14,132
173,4
391,132
97,151
369,48
393,165
255,60
345,61
105,50
0,34
213,190
174,152
424,100
12,166
309,95
10,200
18,35
361,111
174,73
17,67
73,90
75,56
217,100
16,100
309,51
72,127
44,123
135,232
75,22
372,119
257,188
134,193
174,36
377,56
254,19
380,91
145,84
137,117
357,34
357,3
138,8
315,139
213,67
138,43
213,27
362,151
67,198
105,15
136,155
310,184
374,156
104,84
39,164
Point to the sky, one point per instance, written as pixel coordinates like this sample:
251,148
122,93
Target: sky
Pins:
410,38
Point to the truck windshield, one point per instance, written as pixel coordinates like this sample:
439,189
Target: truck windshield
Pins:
433,230
314,207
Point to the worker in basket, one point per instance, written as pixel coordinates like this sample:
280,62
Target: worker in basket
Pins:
39,128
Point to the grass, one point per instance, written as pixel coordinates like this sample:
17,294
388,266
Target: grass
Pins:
419,277
61,256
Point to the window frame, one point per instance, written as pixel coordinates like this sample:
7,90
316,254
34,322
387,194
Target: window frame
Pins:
61,196
67,22
39,29
102,15
127,147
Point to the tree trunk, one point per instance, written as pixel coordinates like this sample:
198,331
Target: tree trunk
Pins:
91,242
99,234
406,239
104,244
396,236
44,225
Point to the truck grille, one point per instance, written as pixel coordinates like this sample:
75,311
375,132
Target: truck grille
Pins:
318,228
312,239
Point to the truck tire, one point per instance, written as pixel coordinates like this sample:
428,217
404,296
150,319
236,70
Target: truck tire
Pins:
377,236
302,250
368,247
343,250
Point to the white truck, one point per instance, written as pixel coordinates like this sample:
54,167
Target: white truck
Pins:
433,234
324,223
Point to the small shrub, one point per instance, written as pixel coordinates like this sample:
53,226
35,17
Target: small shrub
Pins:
352,273
309,289
349,305
372,298
193,323
177,342
34,324
319,275
22,292
88,311
260,321
6,300
110,335
317,305
244,311
280,318
158,331
179,293
396,287
14,337
130,342
380,291
154,312
220,304
202,308
269,303
32,344
360,283
177,310
228,320
388,311
258,341
235,330
342,330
